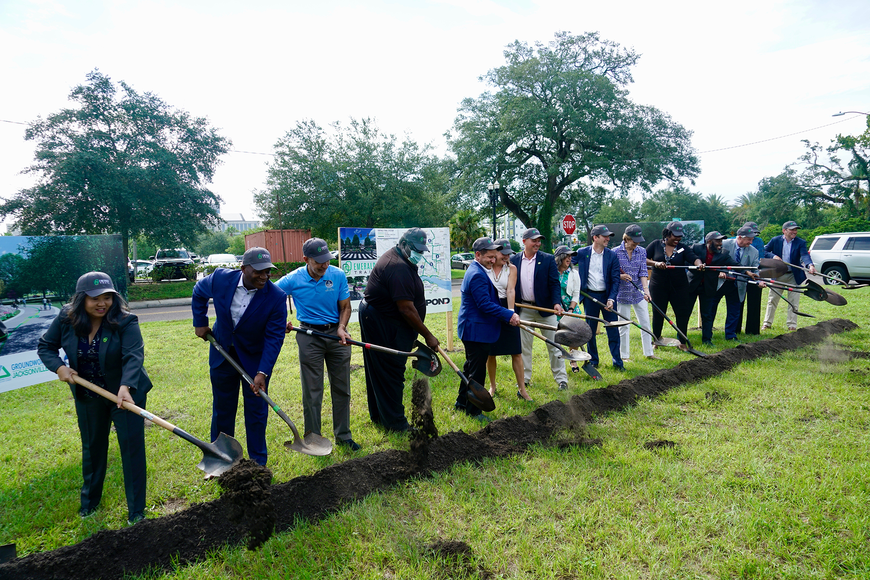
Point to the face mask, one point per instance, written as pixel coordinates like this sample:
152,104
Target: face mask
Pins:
415,257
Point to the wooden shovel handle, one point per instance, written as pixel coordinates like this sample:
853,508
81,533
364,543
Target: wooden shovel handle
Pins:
447,358
126,404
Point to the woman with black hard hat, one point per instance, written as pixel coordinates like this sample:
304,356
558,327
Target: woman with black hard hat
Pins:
671,285
103,344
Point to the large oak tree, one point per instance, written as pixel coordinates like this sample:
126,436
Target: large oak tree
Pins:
560,113
120,162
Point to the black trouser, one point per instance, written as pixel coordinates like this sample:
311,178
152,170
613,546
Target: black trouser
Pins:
476,354
385,373
752,307
680,299
95,418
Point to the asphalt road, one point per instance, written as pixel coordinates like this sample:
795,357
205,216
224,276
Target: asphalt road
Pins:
184,313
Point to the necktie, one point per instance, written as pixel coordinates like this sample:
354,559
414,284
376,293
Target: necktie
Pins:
737,254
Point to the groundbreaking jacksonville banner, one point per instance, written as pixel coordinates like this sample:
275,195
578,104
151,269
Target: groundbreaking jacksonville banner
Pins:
360,249
38,276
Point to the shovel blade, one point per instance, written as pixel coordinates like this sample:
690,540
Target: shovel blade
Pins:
313,444
426,361
835,299
222,455
479,396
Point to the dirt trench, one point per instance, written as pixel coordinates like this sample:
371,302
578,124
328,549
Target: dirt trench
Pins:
250,510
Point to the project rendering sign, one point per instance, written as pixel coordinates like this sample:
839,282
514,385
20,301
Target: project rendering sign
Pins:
38,275
360,249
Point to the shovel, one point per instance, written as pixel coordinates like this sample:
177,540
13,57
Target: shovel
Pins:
217,457
426,362
689,348
479,396
790,305
656,341
605,323
571,332
813,290
575,355
830,279
313,444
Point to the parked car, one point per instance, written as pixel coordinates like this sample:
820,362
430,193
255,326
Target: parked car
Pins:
178,257
842,256
461,261
223,261
143,267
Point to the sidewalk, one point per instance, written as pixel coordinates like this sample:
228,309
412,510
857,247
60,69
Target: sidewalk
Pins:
160,303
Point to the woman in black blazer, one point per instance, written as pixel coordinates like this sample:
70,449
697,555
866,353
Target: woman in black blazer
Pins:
103,344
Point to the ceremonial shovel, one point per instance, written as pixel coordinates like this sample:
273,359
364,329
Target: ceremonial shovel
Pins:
313,444
476,393
575,355
656,341
217,457
426,362
689,348
605,323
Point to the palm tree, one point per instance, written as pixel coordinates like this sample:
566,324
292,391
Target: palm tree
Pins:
464,229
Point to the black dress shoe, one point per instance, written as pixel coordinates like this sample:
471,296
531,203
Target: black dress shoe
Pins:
707,343
734,339
350,444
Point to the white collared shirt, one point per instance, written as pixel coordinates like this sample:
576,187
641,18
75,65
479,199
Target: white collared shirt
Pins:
786,250
527,277
596,272
241,299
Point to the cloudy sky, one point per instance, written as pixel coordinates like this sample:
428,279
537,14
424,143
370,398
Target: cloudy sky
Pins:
760,73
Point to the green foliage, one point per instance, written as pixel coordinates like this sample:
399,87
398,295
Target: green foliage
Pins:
618,210
213,242
778,200
560,114
464,229
850,225
844,182
677,201
170,271
237,245
357,176
162,291
120,162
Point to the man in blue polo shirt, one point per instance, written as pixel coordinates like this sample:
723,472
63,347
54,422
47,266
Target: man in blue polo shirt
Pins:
323,304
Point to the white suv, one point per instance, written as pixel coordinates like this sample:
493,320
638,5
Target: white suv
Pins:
842,256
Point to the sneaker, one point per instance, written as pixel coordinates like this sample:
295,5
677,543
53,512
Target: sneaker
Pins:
765,326
563,386
135,518
350,444
651,357
792,328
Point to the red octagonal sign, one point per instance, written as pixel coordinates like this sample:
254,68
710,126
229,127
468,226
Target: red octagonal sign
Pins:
569,224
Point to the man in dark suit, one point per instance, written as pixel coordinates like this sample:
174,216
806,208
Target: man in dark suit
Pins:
742,250
538,284
480,319
793,250
598,267
251,313
709,285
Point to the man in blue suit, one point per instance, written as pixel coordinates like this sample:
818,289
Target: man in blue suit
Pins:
793,250
251,313
538,284
598,266
480,318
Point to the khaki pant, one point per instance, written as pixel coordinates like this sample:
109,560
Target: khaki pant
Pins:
557,365
793,299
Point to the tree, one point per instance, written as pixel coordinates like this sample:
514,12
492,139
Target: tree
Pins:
357,176
214,242
779,199
677,201
464,229
560,114
584,202
120,162
618,210
844,183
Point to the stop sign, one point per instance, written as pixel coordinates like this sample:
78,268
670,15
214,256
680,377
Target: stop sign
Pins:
569,225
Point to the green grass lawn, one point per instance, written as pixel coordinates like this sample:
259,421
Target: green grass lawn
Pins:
768,477
160,290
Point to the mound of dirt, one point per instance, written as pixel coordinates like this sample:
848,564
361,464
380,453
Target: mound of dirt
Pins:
250,509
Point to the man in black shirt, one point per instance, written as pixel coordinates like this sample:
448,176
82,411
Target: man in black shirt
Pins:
392,315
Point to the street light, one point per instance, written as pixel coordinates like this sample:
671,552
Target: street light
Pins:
494,189
841,113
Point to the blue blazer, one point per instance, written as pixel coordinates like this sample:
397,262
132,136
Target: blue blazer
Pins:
799,255
480,312
260,333
610,267
548,293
